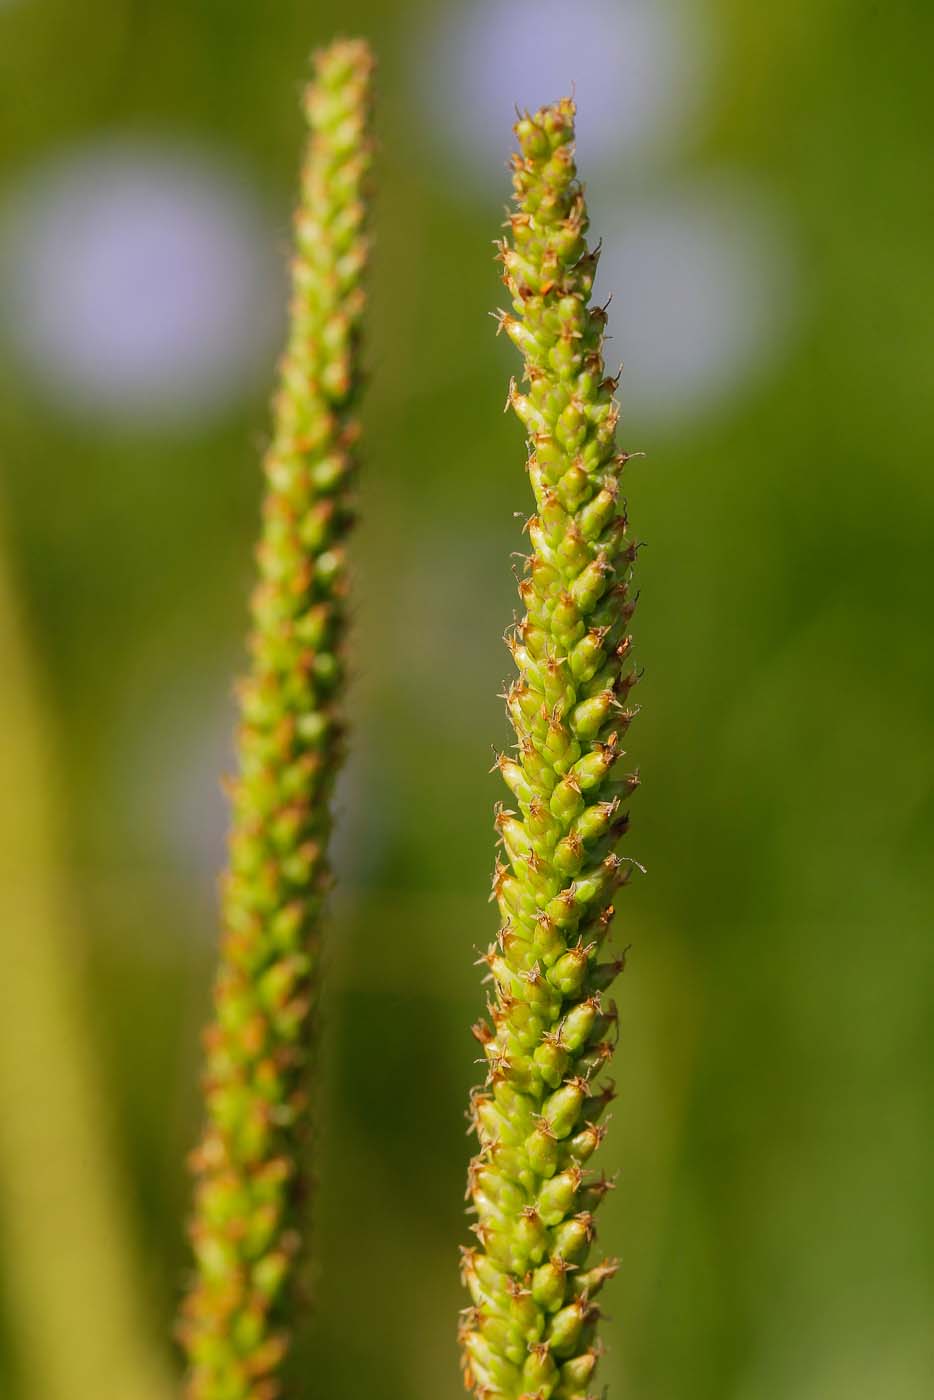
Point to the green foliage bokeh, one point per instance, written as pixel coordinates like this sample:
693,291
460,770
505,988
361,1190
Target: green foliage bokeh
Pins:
774,1208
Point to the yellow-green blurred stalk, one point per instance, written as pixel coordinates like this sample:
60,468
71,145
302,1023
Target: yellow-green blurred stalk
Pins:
70,1275
248,1216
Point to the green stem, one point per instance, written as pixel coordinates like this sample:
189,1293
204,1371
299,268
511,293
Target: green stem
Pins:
531,1331
247,1217
73,1284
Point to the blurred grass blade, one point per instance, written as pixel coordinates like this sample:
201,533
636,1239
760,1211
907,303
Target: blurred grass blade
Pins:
76,1310
245,1231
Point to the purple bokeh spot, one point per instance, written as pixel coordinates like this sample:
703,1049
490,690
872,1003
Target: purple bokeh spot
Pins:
637,68
141,282
705,294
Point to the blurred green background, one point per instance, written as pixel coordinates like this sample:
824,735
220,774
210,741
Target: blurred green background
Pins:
761,177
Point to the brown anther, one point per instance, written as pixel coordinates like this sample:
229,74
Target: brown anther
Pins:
474,1167
575,844
602,1185
586,1219
469,1319
507,938
500,874
481,1231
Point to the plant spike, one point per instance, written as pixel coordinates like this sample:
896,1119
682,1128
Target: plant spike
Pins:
530,1332
245,1229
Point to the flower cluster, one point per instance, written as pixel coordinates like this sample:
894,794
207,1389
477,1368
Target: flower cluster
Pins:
245,1226
530,1331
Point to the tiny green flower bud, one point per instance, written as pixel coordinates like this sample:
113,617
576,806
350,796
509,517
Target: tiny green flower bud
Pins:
578,1025
532,139
576,1373
567,800
499,1333
572,1238
540,1372
569,973
530,1235
589,717
526,1322
589,1283
590,585
541,826
515,779
594,822
587,656
597,514
561,1109
583,1144
551,1061
591,770
542,1149
558,1196
564,1334
547,940
569,854
549,1285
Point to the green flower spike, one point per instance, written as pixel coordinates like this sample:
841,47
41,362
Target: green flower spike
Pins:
245,1229
531,1331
